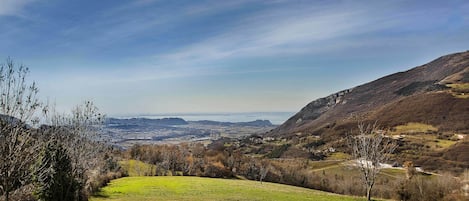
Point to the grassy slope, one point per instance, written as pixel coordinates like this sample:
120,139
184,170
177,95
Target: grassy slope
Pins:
196,188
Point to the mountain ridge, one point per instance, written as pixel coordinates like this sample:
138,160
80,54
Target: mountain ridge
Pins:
360,101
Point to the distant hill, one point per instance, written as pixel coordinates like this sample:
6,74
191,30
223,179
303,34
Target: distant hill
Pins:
147,122
426,108
256,123
179,121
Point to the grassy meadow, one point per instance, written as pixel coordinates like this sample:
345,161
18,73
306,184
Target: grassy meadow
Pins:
197,188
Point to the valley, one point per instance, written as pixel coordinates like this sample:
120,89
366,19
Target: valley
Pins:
126,132
424,117
255,100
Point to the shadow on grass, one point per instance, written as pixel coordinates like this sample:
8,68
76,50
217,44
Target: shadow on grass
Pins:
100,194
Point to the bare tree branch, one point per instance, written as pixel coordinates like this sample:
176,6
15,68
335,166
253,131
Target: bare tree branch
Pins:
370,148
18,107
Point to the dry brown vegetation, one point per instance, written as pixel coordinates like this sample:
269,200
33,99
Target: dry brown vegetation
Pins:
226,161
440,110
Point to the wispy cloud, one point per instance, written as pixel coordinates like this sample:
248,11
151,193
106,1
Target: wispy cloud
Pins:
283,30
277,32
13,7
129,21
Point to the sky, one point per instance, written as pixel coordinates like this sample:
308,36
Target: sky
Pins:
153,57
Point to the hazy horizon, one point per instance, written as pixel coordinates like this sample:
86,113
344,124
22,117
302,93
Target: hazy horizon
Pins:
274,117
154,57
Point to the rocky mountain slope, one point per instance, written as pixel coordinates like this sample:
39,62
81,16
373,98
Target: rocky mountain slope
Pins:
425,109
432,93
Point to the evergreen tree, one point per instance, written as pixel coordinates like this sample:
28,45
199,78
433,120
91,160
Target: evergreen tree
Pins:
53,175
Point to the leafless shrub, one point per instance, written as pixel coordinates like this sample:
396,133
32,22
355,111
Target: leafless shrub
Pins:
426,188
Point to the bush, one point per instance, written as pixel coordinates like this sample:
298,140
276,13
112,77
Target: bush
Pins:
104,179
218,170
278,151
423,188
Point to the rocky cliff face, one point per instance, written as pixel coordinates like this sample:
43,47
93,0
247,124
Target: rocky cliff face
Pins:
314,110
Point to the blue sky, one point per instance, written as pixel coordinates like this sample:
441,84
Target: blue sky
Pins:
151,56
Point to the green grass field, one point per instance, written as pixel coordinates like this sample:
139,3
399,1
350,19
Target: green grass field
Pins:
197,188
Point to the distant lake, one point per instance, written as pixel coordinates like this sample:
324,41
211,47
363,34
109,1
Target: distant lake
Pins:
274,117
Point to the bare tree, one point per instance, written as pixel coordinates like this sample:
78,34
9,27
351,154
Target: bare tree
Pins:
80,133
18,106
370,148
264,170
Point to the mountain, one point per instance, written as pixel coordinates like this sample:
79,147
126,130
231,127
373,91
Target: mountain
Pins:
434,93
425,109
